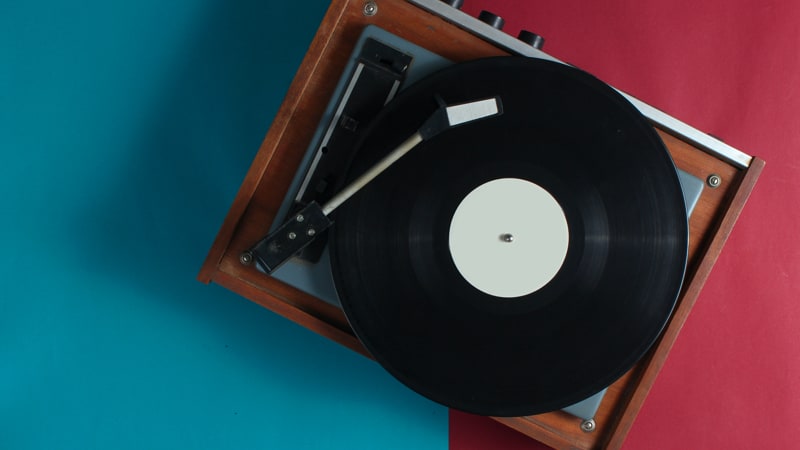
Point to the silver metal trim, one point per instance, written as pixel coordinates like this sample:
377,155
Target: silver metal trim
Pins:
693,135
658,117
482,30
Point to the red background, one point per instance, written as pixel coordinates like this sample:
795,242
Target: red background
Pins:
731,69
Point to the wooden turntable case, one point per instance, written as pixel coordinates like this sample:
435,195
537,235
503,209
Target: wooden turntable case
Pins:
268,179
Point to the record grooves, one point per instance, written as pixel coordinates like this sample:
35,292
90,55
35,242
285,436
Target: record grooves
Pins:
568,133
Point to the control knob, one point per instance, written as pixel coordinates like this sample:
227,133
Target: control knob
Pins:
531,38
454,3
493,20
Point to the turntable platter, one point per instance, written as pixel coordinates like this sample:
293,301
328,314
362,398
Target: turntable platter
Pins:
547,288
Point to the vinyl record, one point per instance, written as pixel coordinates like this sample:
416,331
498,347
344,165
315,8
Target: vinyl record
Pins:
518,264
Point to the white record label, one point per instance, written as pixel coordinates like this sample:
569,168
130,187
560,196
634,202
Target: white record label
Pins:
508,237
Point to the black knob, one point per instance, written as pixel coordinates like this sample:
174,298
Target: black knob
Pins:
532,39
454,3
492,19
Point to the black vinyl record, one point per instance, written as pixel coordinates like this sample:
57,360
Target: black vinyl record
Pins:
593,152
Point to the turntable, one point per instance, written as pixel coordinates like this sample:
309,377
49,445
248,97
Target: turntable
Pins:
533,261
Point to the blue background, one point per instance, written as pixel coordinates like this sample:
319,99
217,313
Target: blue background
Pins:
125,130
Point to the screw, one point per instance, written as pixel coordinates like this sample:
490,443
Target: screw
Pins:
714,180
300,218
311,232
370,8
292,235
588,425
246,258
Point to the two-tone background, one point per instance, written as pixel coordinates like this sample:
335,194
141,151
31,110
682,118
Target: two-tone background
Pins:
126,128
